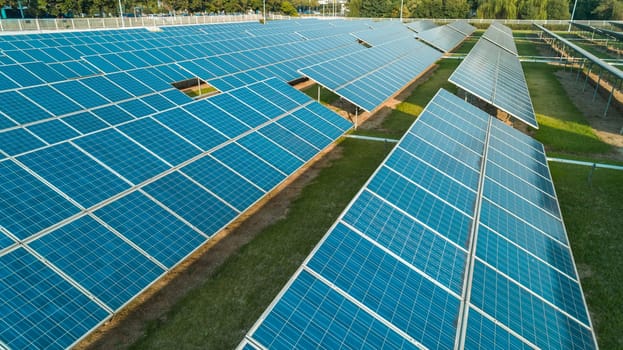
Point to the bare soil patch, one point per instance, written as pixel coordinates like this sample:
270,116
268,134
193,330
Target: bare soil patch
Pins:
606,127
131,323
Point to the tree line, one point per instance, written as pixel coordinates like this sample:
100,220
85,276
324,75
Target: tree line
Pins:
499,9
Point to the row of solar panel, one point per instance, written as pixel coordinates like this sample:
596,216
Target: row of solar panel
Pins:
191,57
391,272
447,37
502,36
495,75
377,76
88,223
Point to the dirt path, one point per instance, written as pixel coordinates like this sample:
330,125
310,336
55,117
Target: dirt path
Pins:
607,128
131,323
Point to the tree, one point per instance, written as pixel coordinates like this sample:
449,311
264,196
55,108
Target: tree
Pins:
288,9
376,8
557,9
354,8
455,9
500,9
610,10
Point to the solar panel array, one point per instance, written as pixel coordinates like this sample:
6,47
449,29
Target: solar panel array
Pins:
618,25
456,241
502,36
369,77
495,75
447,37
420,26
383,30
110,176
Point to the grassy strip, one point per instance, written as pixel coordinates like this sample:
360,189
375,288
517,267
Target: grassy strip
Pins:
401,118
327,96
218,314
593,218
562,127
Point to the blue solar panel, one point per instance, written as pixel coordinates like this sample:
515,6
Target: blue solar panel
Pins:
80,93
112,114
160,141
404,248
249,166
51,100
290,141
106,88
313,136
157,102
53,131
130,84
20,109
26,204
98,260
233,106
409,239
43,71
122,155
39,308
217,118
20,75
191,202
85,122
137,108
482,333
155,230
75,174
18,141
495,75
223,182
272,153
191,128
312,315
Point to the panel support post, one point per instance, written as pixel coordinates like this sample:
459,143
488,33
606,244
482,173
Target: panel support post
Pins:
597,86
318,93
587,75
609,99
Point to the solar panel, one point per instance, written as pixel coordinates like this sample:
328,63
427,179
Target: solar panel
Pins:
107,200
463,27
397,63
502,36
420,26
438,251
494,75
444,38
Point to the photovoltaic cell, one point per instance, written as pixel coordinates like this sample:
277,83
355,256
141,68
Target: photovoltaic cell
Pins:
40,308
191,202
151,227
402,249
98,260
74,173
496,76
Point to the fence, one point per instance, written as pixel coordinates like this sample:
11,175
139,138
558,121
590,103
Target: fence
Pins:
53,24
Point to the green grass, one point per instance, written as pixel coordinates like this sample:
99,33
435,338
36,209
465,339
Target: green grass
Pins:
592,214
327,97
400,119
204,91
562,127
219,313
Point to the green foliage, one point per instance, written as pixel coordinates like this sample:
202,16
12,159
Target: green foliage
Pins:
609,9
562,127
524,9
592,214
288,9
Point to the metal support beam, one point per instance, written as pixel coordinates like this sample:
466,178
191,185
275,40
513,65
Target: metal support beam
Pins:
597,85
609,99
587,75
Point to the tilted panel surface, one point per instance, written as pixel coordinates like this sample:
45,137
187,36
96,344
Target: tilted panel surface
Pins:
441,251
496,76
